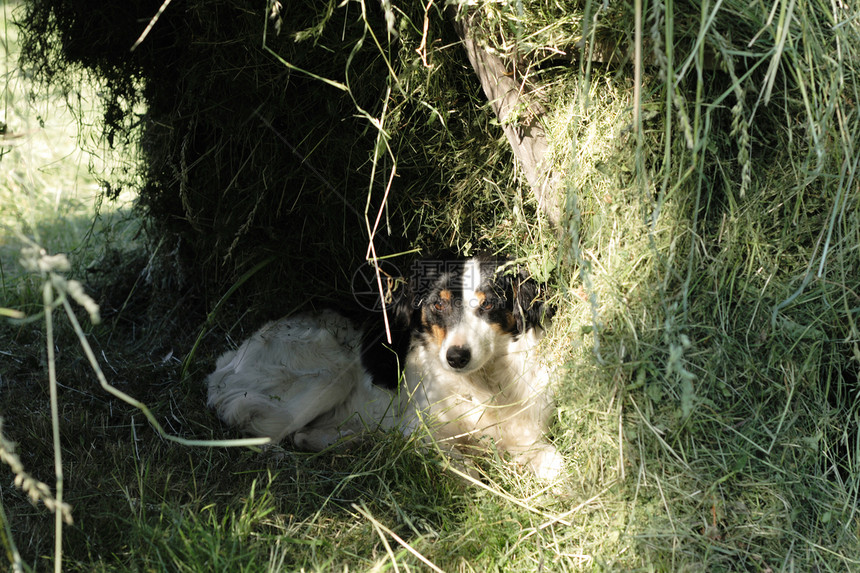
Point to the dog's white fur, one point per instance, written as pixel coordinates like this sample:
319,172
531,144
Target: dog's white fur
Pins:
506,401
302,378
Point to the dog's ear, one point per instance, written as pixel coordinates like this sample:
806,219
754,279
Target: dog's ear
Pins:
402,307
530,306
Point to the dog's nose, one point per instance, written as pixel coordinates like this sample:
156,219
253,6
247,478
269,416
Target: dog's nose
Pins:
458,356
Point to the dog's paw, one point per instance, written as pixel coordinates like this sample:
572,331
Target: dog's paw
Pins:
318,439
546,463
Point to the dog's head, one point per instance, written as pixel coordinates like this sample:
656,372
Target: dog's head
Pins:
468,309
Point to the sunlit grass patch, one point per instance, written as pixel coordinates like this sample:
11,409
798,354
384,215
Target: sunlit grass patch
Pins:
47,188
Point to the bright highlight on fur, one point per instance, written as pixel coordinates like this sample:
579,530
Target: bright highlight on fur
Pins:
463,364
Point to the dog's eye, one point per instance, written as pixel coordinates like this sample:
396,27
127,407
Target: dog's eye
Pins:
487,305
440,304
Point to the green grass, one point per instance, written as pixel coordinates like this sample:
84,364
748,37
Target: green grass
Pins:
46,187
706,336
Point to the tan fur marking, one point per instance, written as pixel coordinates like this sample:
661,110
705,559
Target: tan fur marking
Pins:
438,333
509,325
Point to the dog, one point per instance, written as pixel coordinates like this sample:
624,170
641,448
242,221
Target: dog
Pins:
462,363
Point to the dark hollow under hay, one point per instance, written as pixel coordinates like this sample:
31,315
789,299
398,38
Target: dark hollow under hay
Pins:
243,153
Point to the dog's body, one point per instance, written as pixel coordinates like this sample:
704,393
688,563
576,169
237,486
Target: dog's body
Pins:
468,360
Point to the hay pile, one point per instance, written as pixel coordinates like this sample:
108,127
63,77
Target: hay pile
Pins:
707,258
714,225
278,133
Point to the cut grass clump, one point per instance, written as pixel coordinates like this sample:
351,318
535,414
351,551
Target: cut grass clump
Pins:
719,322
282,130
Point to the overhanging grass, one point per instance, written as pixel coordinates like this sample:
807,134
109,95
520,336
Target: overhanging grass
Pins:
728,334
48,190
